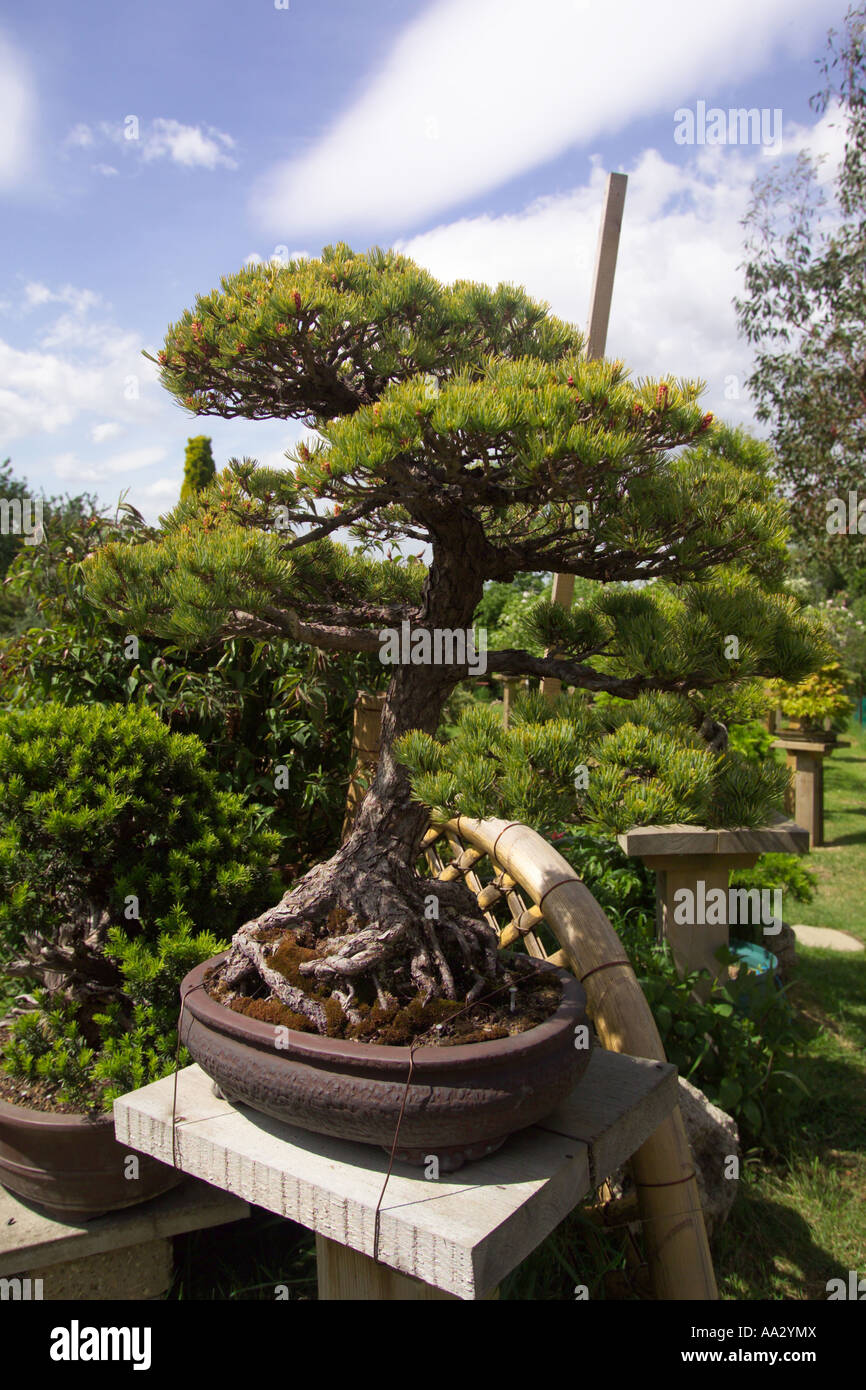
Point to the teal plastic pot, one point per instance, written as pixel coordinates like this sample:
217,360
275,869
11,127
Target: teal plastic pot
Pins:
755,987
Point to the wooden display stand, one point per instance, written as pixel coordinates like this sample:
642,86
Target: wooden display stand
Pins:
454,1237
685,856
123,1255
805,758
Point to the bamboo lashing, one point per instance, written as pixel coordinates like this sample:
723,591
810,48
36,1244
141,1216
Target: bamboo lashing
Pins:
663,1169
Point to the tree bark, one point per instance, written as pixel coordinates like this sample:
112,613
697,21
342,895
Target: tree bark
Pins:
398,935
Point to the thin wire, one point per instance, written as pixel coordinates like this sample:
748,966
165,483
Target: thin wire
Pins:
183,1000
416,1044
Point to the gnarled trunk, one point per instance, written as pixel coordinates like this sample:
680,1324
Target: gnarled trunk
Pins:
370,927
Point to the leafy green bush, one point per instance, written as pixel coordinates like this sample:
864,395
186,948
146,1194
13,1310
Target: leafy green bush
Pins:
822,695
733,1058
753,740
785,871
17,603
275,717
122,863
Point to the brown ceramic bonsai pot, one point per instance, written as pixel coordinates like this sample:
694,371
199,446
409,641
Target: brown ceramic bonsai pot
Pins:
462,1103
72,1166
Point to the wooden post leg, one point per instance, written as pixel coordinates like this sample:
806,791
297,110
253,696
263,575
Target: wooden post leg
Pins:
694,944
790,790
366,735
563,594
511,689
809,796
346,1275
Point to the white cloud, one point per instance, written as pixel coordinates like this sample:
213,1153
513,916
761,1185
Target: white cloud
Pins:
80,136
69,467
475,92
110,430
281,255
133,459
677,273
80,301
161,488
191,146
17,113
78,366
824,141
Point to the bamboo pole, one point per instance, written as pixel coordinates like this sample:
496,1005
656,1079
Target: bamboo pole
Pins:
680,1263
596,340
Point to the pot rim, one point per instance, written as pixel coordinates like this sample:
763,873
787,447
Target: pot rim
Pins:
314,1048
9,1110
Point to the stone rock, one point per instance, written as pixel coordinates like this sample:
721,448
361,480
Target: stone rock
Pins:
714,1138
784,948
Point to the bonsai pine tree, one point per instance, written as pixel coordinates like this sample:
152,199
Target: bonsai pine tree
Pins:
198,465
467,420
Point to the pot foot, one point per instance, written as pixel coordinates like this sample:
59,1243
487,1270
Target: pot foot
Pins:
450,1159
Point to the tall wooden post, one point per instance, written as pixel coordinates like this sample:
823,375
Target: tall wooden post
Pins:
596,339
366,736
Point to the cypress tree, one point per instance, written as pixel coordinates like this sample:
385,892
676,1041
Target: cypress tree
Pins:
198,468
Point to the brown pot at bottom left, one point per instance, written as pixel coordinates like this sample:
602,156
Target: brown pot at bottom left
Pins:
72,1166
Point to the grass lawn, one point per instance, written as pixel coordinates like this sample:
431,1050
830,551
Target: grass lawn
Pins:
800,1216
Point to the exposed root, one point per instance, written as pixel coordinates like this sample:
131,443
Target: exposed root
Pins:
294,998
366,930
357,953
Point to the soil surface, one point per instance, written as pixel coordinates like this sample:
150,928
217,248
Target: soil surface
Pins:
441,1022
40,1095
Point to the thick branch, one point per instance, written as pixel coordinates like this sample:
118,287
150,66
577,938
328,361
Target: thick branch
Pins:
512,661
276,622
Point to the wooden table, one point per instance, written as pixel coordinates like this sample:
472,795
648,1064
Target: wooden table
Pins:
455,1237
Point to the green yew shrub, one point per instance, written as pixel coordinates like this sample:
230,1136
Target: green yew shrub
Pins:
122,865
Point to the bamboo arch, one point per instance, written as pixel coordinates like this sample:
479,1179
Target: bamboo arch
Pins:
663,1169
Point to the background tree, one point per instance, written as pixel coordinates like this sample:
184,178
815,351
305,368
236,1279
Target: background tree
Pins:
805,313
469,420
275,717
198,465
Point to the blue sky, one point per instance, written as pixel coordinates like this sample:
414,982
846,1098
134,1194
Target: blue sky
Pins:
473,134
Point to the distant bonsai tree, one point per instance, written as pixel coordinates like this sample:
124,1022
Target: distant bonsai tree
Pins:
465,419
199,468
821,695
